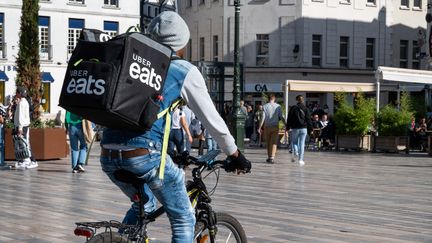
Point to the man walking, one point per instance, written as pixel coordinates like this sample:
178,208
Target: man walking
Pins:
272,114
299,122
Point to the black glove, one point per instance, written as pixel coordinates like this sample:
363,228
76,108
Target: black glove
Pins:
238,163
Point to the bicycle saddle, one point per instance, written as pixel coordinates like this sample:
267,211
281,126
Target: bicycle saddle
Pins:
128,177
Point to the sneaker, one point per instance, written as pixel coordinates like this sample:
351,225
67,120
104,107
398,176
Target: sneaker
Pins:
32,165
301,162
75,169
80,168
270,161
19,165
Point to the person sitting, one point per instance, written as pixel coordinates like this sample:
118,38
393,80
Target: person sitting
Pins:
421,134
328,134
412,133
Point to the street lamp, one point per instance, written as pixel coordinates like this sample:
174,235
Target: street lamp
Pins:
238,117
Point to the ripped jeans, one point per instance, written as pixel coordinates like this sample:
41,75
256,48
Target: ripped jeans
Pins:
171,191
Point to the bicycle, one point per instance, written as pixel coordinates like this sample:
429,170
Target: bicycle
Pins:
210,226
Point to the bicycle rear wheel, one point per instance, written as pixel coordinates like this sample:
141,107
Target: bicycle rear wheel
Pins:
229,230
108,237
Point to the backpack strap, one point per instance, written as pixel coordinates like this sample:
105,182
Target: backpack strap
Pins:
167,114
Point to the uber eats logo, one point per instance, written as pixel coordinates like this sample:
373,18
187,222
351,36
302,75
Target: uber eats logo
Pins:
145,74
83,83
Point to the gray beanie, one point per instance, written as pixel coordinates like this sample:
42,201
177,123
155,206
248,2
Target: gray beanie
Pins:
170,29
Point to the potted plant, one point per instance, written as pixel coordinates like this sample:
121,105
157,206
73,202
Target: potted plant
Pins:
353,122
46,141
392,127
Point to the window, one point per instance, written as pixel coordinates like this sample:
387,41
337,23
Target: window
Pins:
44,45
417,4
316,50
202,49
343,51
75,26
188,3
2,43
111,28
262,49
371,2
113,3
404,3
415,55
370,52
76,1
215,48
403,47
45,102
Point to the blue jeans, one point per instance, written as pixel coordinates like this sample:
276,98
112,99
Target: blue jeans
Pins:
78,153
211,144
298,141
171,191
176,140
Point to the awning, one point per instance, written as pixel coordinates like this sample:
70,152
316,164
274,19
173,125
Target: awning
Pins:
329,86
46,77
3,76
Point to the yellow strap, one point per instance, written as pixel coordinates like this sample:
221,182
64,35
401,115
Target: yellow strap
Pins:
167,129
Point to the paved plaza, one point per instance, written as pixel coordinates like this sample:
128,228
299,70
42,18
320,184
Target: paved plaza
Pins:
335,197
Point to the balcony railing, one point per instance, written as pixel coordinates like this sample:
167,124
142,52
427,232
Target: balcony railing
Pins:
45,54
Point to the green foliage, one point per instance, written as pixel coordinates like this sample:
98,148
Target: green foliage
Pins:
28,64
394,122
42,124
418,106
353,120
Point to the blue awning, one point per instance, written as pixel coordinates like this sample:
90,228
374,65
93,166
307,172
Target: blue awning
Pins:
3,76
46,77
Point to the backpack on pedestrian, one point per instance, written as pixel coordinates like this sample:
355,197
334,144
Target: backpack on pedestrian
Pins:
195,128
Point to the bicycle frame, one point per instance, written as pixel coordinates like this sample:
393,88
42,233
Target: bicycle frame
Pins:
198,196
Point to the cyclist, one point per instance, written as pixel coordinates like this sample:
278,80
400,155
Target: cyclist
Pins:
140,153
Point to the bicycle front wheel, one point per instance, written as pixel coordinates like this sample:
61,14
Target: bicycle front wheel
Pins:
229,230
108,237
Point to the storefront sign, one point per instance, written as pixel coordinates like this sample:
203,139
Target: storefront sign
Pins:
7,68
263,87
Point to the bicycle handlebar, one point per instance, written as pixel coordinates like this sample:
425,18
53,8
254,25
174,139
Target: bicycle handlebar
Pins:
185,159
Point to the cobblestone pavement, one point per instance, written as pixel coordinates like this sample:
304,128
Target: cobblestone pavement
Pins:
335,197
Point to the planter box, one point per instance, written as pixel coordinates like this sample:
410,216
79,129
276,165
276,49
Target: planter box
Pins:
355,142
391,143
46,143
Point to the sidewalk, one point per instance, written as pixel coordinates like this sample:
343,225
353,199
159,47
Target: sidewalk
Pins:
335,197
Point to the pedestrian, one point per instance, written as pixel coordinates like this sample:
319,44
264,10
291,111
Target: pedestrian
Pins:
249,123
178,126
258,116
3,116
140,152
300,124
188,115
77,142
272,114
210,142
21,118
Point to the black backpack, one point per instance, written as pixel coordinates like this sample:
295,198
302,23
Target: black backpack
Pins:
116,83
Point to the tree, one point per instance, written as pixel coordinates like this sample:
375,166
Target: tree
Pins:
28,65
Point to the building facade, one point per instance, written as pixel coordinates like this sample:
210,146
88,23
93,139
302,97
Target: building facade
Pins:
319,40
60,23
